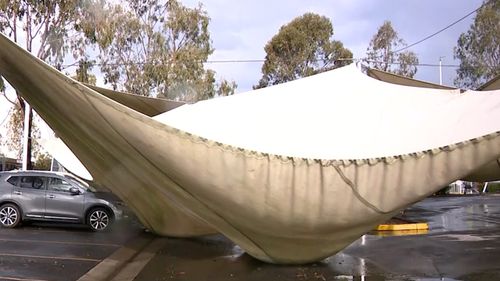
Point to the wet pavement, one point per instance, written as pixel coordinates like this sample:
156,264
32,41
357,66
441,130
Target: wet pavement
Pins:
43,251
463,243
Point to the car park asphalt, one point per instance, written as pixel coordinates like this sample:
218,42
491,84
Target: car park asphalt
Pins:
43,251
463,243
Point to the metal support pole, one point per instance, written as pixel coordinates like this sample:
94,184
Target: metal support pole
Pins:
27,113
485,187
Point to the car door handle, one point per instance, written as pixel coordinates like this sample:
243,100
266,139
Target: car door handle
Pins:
17,192
51,196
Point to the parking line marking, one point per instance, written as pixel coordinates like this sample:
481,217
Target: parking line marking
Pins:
35,230
60,242
20,279
49,257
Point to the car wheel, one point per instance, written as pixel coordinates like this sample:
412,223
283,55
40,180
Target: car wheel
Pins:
99,219
10,216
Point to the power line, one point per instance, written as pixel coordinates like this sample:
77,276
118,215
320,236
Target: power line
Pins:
235,61
262,60
439,31
414,64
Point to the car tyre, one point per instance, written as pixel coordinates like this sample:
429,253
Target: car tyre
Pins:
99,219
10,215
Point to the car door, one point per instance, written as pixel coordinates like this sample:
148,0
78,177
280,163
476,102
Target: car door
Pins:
29,194
60,203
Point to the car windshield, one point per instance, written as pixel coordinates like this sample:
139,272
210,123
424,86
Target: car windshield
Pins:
80,183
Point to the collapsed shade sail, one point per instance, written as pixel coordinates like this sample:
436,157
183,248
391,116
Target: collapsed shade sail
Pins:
145,105
402,80
488,172
291,173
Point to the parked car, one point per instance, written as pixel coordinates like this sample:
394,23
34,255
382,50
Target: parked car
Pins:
52,196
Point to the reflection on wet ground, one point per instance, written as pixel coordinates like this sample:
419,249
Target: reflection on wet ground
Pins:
450,214
463,243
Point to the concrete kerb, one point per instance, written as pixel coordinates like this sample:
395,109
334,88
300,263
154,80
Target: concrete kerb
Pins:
133,268
126,261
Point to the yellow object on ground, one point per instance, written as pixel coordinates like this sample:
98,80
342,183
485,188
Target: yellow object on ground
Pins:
403,226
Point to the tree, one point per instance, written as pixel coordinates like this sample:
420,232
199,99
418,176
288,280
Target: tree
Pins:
82,72
154,47
226,88
15,132
478,49
48,23
43,162
382,52
302,48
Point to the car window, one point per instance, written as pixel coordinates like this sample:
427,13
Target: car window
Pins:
13,180
80,183
57,184
33,182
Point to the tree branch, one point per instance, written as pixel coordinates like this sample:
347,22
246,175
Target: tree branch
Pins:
10,101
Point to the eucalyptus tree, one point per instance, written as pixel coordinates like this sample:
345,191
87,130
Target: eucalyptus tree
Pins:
155,47
302,48
382,52
44,28
478,49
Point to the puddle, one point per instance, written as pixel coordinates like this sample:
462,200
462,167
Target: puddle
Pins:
464,237
477,214
468,237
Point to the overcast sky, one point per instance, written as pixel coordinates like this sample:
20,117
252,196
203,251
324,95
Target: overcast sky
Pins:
240,30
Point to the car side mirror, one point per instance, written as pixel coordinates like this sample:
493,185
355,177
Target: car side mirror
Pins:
74,191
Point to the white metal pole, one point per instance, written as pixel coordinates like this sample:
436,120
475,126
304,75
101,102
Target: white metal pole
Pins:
52,164
485,187
27,111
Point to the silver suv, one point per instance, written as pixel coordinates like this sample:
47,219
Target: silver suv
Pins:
52,196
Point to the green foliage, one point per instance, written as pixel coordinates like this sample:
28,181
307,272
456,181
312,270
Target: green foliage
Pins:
302,48
43,162
153,47
478,49
407,62
82,72
226,88
15,132
493,187
47,24
381,52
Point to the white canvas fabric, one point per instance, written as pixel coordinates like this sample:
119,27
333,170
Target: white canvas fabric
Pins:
486,173
65,157
292,173
341,114
250,116
145,105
